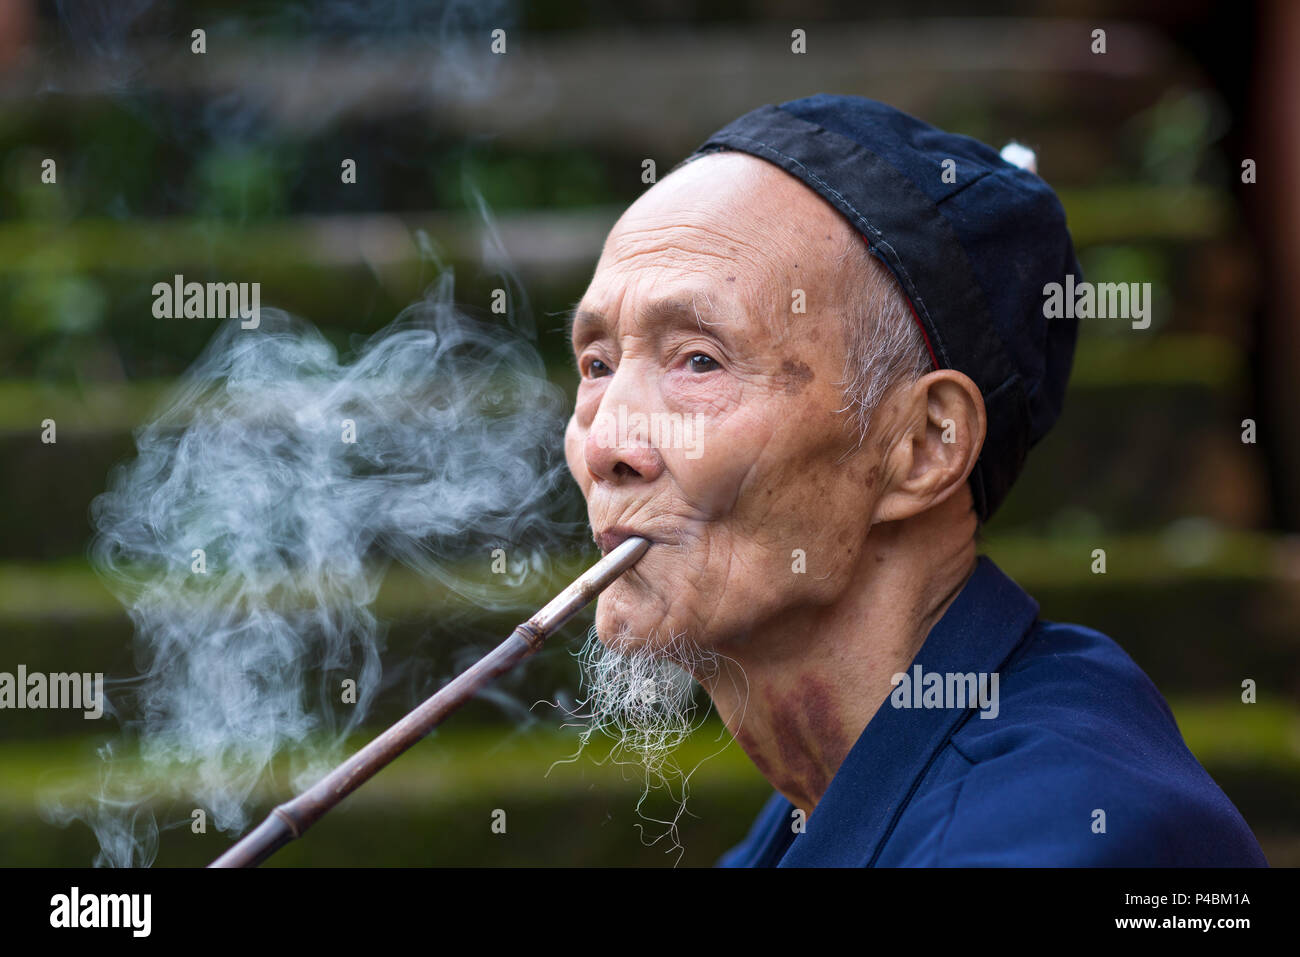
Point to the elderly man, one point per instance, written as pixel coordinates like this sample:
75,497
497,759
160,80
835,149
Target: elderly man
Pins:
848,305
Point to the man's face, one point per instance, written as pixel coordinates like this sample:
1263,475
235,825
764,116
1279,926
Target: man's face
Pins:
690,322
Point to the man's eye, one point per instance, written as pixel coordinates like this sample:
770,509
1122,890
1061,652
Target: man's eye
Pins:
700,362
596,369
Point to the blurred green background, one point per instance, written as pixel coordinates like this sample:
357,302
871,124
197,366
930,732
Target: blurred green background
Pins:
226,166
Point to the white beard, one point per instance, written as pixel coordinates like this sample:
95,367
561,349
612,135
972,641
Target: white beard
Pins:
643,697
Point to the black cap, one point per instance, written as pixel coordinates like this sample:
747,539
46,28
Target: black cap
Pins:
972,251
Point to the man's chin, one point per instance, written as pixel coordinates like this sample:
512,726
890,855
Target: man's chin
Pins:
639,690
625,623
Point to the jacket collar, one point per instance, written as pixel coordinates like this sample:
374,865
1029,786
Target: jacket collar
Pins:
979,632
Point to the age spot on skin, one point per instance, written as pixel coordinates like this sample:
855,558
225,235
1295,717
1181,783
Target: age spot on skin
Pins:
797,375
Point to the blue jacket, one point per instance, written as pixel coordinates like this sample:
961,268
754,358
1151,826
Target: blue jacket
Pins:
1083,764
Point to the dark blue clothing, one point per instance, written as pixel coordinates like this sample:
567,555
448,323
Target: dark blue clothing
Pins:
1079,728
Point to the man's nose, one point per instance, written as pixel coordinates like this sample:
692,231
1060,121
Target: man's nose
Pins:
618,446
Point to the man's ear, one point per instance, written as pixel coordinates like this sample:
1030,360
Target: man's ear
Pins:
938,430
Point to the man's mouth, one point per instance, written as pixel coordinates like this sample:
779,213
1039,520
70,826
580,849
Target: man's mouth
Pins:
615,535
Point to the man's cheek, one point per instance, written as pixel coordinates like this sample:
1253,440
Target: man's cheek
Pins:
711,469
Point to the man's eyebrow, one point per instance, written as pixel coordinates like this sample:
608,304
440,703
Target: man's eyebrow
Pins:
584,326
695,311
675,312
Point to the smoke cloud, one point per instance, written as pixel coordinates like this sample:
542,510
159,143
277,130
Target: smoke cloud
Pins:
249,537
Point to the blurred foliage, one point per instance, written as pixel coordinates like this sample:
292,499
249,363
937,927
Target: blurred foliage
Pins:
238,184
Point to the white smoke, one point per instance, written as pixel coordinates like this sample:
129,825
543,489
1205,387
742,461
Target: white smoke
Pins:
242,651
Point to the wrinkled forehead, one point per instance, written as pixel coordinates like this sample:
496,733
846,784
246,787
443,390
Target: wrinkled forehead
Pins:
727,239
730,205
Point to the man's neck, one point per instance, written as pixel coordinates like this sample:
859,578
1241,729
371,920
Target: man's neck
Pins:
797,693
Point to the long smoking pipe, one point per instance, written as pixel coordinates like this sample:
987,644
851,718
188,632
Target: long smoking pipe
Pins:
288,821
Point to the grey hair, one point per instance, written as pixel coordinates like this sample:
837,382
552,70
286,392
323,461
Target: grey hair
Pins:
884,345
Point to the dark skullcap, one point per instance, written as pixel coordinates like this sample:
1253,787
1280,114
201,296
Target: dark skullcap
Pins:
972,251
